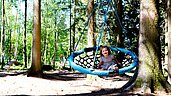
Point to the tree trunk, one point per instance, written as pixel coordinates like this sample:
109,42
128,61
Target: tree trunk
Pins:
2,50
91,28
150,75
3,35
169,39
24,37
74,26
16,38
119,29
45,37
70,34
55,43
36,67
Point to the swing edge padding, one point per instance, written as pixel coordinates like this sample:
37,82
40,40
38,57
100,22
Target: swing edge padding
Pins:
102,72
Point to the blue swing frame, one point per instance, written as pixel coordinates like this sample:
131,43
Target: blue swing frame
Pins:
103,72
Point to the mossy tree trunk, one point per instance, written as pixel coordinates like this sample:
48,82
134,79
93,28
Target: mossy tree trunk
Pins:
150,74
169,39
36,67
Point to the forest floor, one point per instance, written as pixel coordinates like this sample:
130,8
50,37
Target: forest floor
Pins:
62,83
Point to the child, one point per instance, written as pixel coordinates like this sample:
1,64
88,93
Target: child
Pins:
107,60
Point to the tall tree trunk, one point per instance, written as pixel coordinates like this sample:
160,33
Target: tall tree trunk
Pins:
36,67
91,29
91,26
74,28
16,38
45,45
44,41
24,37
55,37
10,47
45,37
169,39
119,28
2,50
70,34
8,23
150,75
166,41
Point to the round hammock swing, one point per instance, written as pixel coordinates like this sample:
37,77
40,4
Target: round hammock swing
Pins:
87,59
91,71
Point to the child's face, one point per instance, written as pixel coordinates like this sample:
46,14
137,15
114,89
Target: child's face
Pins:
105,52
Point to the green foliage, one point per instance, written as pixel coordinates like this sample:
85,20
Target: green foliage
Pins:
131,11
55,19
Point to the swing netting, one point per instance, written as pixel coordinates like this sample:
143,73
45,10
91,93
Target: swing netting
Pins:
83,61
87,60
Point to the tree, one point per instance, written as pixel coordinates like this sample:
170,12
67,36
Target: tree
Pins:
24,36
150,74
91,28
169,40
36,67
74,26
46,34
119,28
2,50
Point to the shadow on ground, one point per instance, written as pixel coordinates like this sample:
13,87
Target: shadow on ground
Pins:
59,75
67,76
111,92
12,73
64,75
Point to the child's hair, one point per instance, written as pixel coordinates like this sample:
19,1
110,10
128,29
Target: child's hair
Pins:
101,47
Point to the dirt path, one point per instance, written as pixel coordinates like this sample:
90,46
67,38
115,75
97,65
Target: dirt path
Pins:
57,84
19,84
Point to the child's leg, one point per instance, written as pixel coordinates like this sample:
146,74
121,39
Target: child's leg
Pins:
113,67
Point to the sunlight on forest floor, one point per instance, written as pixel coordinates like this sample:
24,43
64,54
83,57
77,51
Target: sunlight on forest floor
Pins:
69,83
23,85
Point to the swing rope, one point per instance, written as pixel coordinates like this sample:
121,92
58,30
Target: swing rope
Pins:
95,6
104,17
105,10
117,16
86,70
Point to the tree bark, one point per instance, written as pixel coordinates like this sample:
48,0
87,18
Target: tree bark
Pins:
169,39
24,37
119,29
2,50
45,47
150,75
91,28
55,37
36,67
74,26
